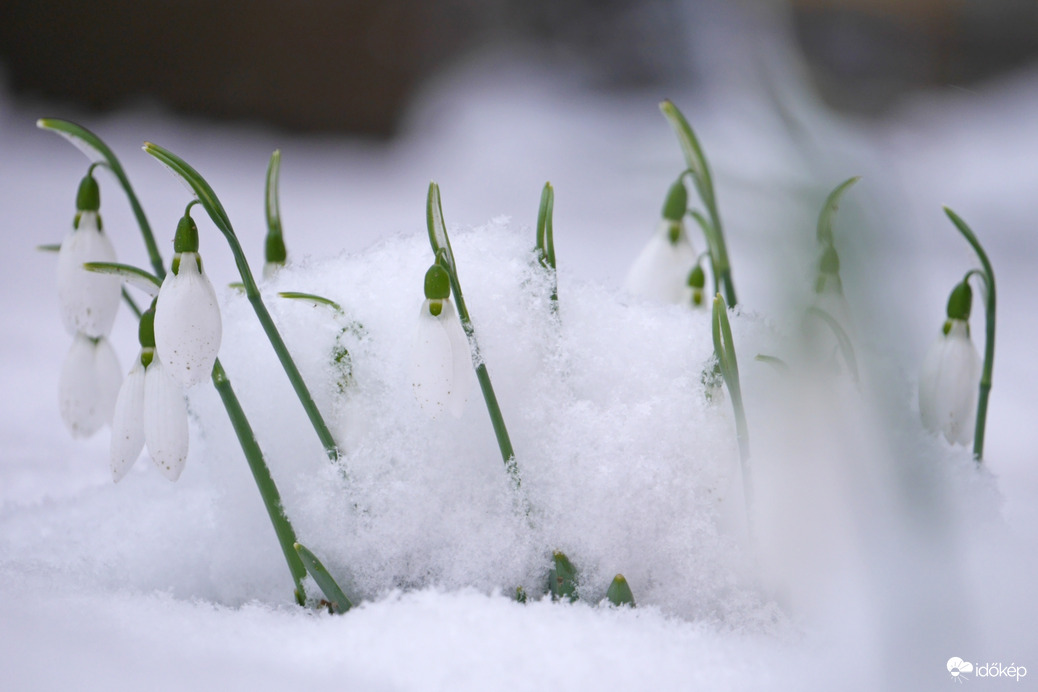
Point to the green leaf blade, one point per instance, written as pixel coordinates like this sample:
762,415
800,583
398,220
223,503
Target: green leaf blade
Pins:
337,600
829,209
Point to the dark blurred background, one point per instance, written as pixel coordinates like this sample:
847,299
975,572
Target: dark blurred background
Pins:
352,66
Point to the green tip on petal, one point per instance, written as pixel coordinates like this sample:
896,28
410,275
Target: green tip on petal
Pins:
619,593
437,283
676,204
88,198
186,238
960,302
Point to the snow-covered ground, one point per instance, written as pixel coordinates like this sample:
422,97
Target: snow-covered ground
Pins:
878,551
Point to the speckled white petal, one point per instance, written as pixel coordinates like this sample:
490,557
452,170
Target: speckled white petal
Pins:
128,423
436,358
87,387
165,420
88,300
661,270
948,385
187,323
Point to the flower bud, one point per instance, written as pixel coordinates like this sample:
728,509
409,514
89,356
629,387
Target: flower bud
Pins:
661,270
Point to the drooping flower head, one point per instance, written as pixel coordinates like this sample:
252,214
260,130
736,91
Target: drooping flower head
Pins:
150,409
88,300
441,363
950,373
89,381
188,328
661,271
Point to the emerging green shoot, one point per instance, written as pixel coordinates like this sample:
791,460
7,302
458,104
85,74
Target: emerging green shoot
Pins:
562,578
619,593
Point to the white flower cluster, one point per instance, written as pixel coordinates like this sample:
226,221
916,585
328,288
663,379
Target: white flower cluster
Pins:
179,336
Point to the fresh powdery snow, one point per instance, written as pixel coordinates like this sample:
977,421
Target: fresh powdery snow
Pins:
873,551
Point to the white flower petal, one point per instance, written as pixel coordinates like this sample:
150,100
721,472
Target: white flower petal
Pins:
441,362
128,422
87,387
661,270
165,420
88,300
948,385
187,323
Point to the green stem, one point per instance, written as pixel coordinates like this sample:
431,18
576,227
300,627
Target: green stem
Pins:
842,339
211,203
99,152
724,348
546,240
441,246
989,338
131,303
264,482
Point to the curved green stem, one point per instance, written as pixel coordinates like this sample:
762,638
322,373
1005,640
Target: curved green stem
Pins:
699,169
264,482
846,347
546,240
211,204
98,152
989,338
441,246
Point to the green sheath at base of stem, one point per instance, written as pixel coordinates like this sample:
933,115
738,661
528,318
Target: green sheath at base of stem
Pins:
264,482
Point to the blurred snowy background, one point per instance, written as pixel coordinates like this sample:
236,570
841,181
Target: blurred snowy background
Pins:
158,586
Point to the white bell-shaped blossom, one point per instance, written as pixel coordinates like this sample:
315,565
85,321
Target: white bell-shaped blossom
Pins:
948,384
88,385
188,329
441,363
151,411
88,300
661,271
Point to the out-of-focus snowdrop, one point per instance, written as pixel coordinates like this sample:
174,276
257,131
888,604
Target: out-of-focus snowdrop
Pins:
88,300
88,385
150,409
441,362
950,373
188,329
662,270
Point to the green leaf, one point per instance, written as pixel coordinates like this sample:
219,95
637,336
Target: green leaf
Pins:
619,593
562,579
98,152
136,277
441,244
545,235
693,153
195,183
320,300
337,600
724,347
772,360
829,209
50,247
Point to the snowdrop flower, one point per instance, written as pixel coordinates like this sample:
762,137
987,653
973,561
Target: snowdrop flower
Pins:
187,318
441,363
150,409
661,271
88,385
88,300
950,374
